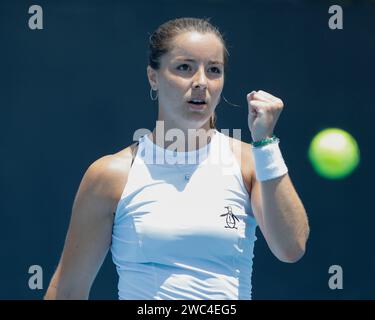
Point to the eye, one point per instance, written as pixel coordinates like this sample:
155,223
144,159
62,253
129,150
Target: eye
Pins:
183,65
217,70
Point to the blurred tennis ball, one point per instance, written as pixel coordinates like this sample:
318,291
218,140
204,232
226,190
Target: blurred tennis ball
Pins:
334,153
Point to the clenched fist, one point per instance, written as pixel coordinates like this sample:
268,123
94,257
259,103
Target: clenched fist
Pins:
264,111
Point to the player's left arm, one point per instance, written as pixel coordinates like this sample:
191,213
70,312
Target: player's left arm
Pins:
276,205
281,217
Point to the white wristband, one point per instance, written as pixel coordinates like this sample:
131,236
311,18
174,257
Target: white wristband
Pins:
269,162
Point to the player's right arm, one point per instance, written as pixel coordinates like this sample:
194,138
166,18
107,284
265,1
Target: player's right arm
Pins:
90,230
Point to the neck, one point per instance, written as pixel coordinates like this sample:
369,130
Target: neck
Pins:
183,139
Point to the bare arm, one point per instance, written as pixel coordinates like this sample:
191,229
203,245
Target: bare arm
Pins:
281,217
277,208
276,205
89,234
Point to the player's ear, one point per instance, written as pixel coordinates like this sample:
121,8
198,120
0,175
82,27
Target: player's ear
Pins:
152,77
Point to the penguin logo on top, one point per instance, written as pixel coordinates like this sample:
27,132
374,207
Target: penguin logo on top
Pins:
230,218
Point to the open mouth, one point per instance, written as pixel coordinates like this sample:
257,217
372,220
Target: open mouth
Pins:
197,101
197,104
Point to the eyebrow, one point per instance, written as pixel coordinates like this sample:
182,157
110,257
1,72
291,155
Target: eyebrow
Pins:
192,60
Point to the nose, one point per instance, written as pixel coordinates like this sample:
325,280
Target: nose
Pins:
200,80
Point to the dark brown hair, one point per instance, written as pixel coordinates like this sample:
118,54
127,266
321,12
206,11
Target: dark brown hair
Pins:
161,40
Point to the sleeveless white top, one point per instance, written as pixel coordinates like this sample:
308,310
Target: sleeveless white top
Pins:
184,231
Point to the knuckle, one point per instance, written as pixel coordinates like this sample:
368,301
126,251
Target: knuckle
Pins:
280,103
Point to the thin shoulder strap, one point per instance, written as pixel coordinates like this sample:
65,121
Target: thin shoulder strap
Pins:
134,152
241,164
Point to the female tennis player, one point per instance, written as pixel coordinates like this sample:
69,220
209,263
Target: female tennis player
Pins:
179,215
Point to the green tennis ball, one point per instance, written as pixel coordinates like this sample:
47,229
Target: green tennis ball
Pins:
334,153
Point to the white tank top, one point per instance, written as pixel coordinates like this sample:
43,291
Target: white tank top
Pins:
184,231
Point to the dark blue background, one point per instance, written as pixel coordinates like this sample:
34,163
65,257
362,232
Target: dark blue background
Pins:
77,90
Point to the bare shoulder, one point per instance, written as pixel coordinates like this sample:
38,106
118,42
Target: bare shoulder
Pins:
106,177
243,153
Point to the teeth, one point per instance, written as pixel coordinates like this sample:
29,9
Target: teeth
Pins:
197,101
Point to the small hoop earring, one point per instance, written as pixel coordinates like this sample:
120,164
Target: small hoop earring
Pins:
152,97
